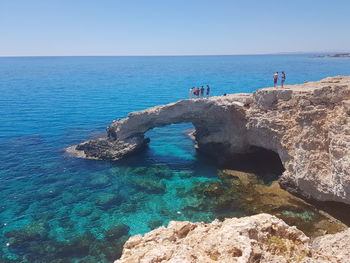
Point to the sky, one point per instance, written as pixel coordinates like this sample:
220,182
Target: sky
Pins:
172,27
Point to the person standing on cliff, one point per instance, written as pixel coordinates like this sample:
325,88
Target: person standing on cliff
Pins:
195,93
275,79
283,79
202,92
191,92
208,91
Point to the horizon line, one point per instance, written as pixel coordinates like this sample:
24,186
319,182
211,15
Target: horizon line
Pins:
188,55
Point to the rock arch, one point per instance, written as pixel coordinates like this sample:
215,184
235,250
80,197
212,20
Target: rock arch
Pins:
212,119
307,125
219,123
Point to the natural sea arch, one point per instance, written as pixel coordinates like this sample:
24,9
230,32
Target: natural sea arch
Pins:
303,124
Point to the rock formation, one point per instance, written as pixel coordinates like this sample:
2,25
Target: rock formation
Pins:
336,245
306,125
260,238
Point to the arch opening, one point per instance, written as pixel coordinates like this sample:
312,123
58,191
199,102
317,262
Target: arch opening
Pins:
170,142
173,139
263,162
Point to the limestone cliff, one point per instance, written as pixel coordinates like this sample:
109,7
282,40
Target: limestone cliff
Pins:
306,125
260,238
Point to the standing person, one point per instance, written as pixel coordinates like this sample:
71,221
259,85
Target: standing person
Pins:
191,92
195,92
208,91
283,79
275,79
202,92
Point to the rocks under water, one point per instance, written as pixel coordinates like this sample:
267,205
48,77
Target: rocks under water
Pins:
82,226
257,197
239,193
33,244
92,226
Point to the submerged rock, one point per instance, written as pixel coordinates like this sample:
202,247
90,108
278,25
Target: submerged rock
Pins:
84,209
107,200
239,193
48,193
148,185
22,238
152,224
160,171
34,244
210,189
256,197
260,238
116,232
99,181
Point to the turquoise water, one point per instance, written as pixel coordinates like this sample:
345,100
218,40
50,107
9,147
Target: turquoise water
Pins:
60,209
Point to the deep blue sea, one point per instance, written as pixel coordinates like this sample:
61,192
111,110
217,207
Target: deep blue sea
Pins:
55,208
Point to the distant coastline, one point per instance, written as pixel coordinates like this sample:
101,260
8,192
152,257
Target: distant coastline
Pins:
312,54
338,55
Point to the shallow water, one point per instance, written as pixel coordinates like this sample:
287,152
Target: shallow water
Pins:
47,104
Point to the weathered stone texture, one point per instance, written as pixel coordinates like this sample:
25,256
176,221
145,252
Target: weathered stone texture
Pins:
261,238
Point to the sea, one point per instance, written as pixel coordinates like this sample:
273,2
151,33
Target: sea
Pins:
57,208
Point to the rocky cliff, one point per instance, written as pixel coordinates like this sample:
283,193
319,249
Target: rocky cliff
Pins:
306,125
260,238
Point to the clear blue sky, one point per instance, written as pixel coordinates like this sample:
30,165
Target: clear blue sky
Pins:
172,27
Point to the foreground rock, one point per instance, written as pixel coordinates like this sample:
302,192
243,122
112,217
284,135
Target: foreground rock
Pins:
260,238
306,125
336,245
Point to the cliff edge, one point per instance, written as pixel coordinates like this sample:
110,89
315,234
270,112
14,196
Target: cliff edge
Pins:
260,238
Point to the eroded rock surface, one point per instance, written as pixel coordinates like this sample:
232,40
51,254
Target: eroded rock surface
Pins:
336,245
108,148
307,125
260,238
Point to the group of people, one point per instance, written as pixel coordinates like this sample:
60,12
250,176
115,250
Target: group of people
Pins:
199,92
196,93
275,79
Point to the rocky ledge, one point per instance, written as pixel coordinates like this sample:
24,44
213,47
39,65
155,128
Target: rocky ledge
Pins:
260,238
306,125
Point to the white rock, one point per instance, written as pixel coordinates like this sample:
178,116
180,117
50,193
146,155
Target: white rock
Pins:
261,238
